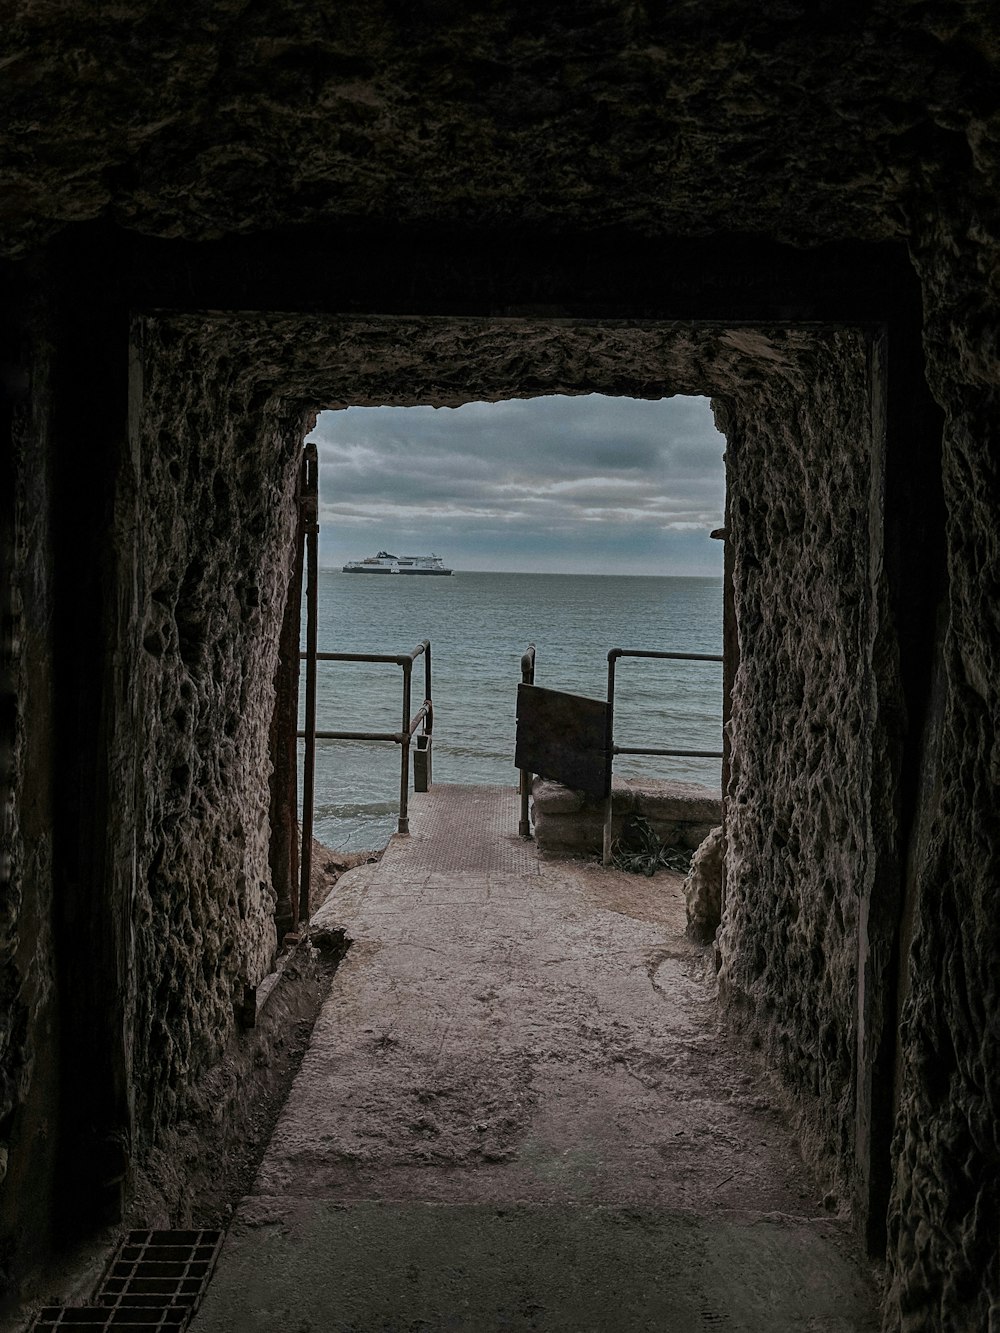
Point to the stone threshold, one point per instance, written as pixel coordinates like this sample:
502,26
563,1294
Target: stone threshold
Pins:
570,823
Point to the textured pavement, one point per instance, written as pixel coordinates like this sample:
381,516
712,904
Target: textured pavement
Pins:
517,1111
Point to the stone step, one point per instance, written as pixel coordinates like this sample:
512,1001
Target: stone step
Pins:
570,823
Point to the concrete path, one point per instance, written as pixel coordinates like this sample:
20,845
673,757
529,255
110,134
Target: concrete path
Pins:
517,1112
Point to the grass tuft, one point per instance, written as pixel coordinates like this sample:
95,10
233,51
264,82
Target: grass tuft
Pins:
639,851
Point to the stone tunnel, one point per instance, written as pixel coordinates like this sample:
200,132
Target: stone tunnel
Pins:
217,221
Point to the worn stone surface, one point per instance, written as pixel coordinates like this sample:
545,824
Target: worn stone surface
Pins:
559,836
542,1035
703,888
665,800
202,1165
466,1268
552,798
655,798
334,361
518,1079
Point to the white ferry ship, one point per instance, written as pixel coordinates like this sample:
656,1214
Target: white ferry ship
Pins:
384,563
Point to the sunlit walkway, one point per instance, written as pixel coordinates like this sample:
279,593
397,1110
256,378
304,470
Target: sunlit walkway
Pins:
517,1112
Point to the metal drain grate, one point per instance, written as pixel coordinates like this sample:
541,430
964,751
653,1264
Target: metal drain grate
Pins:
154,1282
98,1319
166,1268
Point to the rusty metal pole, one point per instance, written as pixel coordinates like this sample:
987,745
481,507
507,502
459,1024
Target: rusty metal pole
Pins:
285,826
425,742
730,659
310,525
404,760
609,740
427,681
524,782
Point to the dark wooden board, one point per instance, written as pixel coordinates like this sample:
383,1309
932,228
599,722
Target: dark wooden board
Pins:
563,737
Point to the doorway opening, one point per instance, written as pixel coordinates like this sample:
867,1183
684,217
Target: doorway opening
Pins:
802,414
576,523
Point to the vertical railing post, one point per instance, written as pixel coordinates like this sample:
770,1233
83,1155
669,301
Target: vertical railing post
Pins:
527,678
428,726
286,828
423,756
609,740
403,825
310,526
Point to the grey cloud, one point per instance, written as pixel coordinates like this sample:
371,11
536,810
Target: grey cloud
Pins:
552,477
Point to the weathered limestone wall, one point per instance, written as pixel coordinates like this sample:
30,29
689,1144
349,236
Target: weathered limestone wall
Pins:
944,1251
28,1020
196,601
800,466
219,469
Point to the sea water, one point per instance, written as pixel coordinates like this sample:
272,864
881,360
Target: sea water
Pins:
479,624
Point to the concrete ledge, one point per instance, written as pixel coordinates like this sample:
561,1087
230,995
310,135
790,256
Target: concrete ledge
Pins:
569,824
552,798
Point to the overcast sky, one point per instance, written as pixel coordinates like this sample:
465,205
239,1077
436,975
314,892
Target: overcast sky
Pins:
584,485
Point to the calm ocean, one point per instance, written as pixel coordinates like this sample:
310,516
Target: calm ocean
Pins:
479,625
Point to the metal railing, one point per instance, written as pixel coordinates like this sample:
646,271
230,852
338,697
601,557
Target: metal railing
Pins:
527,678
309,537
613,749
423,718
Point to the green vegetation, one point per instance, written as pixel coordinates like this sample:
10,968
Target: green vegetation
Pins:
640,852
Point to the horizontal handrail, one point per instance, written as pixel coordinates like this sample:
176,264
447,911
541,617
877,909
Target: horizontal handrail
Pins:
424,711
392,659
675,754
675,657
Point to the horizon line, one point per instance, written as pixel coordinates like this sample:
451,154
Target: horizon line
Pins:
562,573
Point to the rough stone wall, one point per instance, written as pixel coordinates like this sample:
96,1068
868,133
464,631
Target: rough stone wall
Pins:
707,117
28,1026
219,468
703,888
799,468
944,1251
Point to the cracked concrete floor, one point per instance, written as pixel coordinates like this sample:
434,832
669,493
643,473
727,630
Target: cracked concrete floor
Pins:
517,1111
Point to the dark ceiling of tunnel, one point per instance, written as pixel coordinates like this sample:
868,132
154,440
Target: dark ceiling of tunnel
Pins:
799,122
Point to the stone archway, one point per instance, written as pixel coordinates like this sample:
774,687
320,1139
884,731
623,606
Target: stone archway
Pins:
803,409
